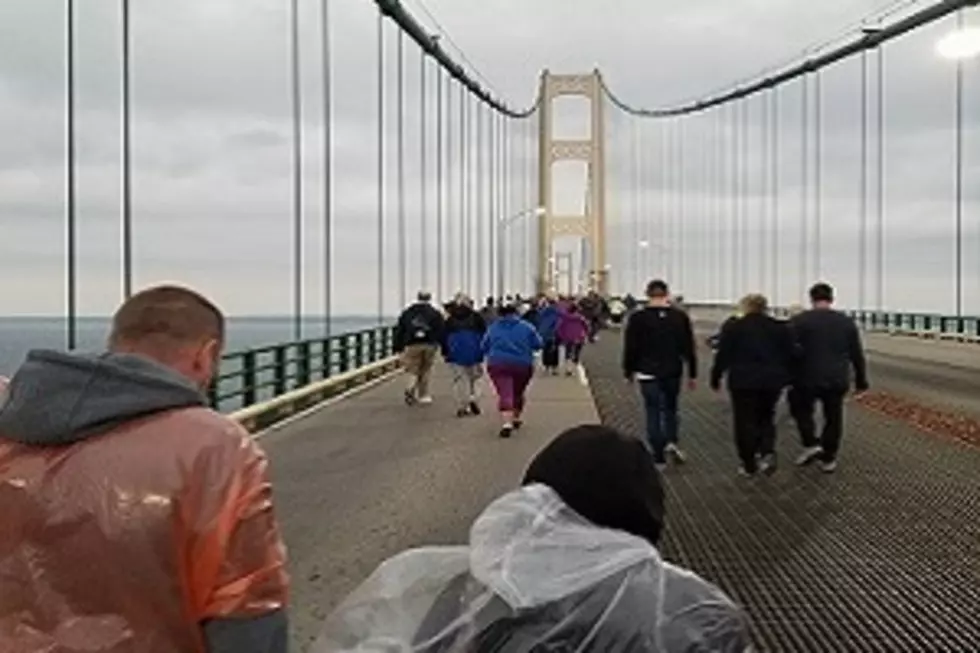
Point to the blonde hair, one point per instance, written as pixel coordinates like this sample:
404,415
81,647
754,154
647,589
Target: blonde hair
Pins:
753,303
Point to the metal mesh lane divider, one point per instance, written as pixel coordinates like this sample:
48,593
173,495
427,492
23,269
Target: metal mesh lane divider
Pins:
884,555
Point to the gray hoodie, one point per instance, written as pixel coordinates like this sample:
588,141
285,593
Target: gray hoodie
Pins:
57,398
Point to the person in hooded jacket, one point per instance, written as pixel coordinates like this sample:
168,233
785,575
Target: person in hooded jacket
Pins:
418,334
564,563
135,517
462,348
510,344
546,321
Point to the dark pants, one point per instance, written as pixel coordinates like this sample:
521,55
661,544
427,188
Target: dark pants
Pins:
510,381
754,413
573,351
549,354
802,402
660,403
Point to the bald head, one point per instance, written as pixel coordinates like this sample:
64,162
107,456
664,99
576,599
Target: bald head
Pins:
175,326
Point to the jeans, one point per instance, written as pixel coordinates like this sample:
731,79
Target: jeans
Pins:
660,404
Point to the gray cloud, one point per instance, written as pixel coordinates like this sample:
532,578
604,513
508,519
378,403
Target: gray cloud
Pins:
212,184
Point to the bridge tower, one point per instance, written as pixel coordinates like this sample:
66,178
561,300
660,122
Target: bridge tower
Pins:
590,227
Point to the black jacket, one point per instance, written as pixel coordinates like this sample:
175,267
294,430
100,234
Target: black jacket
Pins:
829,345
658,341
419,324
756,352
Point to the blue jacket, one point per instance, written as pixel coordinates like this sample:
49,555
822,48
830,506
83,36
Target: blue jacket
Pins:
511,340
547,321
464,331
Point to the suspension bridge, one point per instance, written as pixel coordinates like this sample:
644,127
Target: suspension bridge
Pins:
769,185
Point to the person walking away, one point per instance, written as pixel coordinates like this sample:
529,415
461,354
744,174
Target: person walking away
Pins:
135,517
489,311
573,331
462,349
658,343
418,334
547,324
561,564
509,346
830,345
755,353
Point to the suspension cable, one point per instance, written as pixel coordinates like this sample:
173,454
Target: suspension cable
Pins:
867,39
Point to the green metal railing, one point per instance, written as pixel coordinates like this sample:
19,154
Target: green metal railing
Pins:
255,375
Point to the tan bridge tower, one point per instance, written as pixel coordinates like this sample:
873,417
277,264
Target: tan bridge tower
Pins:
592,225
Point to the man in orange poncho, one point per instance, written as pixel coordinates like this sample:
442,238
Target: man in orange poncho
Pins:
134,517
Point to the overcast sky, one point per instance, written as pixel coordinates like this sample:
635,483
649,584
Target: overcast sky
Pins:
211,146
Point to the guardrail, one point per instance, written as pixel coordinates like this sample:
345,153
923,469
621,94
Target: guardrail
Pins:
257,376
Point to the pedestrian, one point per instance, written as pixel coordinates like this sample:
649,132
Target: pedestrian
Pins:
567,562
658,343
546,322
830,345
755,352
135,517
462,349
418,334
573,331
489,310
510,344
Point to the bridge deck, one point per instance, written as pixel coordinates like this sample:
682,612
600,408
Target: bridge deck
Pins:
882,556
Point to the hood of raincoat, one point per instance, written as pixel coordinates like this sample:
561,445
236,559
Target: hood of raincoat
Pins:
57,398
536,576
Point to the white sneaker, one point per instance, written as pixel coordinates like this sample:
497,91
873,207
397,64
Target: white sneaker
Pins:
661,467
675,452
744,473
808,455
767,464
829,467
426,400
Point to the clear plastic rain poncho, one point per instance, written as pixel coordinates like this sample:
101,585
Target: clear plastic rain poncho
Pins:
536,577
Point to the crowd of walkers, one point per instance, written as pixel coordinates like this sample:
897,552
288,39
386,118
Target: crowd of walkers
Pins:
810,357
504,338
136,518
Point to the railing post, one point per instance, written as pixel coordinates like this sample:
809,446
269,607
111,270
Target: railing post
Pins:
280,370
248,378
326,354
359,349
373,345
344,353
303,364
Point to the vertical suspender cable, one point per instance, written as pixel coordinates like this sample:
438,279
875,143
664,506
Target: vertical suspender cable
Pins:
863,224
480,287
297,173
492,217
733,209
71,244
959,184
746,197
400,127
880,181
526,181
663,226
682,203
804,183
440,199
817,177
327,169
381,166
423,170
634,173
775,197
760,239
464,168
127,160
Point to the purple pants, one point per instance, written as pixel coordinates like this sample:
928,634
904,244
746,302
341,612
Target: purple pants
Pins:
510,381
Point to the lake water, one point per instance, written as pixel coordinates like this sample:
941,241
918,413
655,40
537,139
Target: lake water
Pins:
18,335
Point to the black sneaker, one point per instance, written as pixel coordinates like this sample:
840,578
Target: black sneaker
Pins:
474,408
506,431
410,399
462,412
518,423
